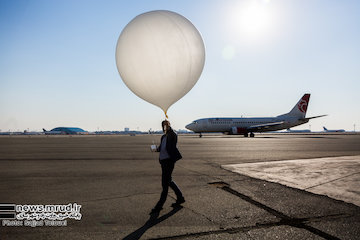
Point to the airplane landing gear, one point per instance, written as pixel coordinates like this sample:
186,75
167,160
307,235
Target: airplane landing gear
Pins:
200,135
252,134
246,134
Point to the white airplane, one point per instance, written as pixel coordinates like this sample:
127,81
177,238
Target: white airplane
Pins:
237,126
335,130
53,132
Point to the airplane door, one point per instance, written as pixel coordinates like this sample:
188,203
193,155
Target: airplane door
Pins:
206,125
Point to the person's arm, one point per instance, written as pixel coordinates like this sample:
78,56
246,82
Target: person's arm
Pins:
172,150
159,147
172,141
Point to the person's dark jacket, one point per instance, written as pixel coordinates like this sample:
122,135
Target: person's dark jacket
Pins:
171,142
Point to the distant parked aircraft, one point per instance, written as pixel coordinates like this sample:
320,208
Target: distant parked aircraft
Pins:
53,132
298,131
333,130
245,126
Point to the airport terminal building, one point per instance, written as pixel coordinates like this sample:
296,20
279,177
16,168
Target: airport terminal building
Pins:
68,130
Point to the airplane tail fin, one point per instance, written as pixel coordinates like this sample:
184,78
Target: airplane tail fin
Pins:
299,110
44,130
325,129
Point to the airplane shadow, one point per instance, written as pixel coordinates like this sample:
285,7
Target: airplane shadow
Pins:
152,221
240,136
321,137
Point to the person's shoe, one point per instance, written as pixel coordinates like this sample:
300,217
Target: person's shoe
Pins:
156,209
178,202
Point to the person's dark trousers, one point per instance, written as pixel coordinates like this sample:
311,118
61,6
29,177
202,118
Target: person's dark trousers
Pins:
167,167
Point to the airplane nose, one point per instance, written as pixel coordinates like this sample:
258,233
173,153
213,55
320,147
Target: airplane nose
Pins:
189,126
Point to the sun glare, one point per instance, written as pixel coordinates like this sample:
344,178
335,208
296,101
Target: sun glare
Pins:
253,19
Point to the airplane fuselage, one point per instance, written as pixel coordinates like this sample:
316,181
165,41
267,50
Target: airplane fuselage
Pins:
242,125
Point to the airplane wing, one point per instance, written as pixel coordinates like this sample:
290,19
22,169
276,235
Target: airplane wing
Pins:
264,126
315,117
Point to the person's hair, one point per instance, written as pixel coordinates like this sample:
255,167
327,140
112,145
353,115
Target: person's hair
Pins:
165,122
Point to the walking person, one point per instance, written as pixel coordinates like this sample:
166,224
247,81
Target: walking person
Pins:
169,154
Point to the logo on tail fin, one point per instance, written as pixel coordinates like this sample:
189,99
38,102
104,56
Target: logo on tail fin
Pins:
302,105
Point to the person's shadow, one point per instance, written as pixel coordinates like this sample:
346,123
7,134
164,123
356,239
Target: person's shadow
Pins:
152,221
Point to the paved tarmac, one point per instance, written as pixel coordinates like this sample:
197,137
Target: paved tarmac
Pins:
116,179
336,177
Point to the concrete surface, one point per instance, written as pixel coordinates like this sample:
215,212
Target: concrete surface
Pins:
116,179
336,177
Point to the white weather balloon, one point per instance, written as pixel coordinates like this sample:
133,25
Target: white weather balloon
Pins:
160,56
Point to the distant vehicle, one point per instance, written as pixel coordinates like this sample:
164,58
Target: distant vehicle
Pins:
298,131
237,126
333,130
65,131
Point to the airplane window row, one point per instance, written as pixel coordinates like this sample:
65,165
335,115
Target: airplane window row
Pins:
235,122
247,122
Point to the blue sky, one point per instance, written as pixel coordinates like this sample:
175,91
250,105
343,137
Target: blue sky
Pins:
57,63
